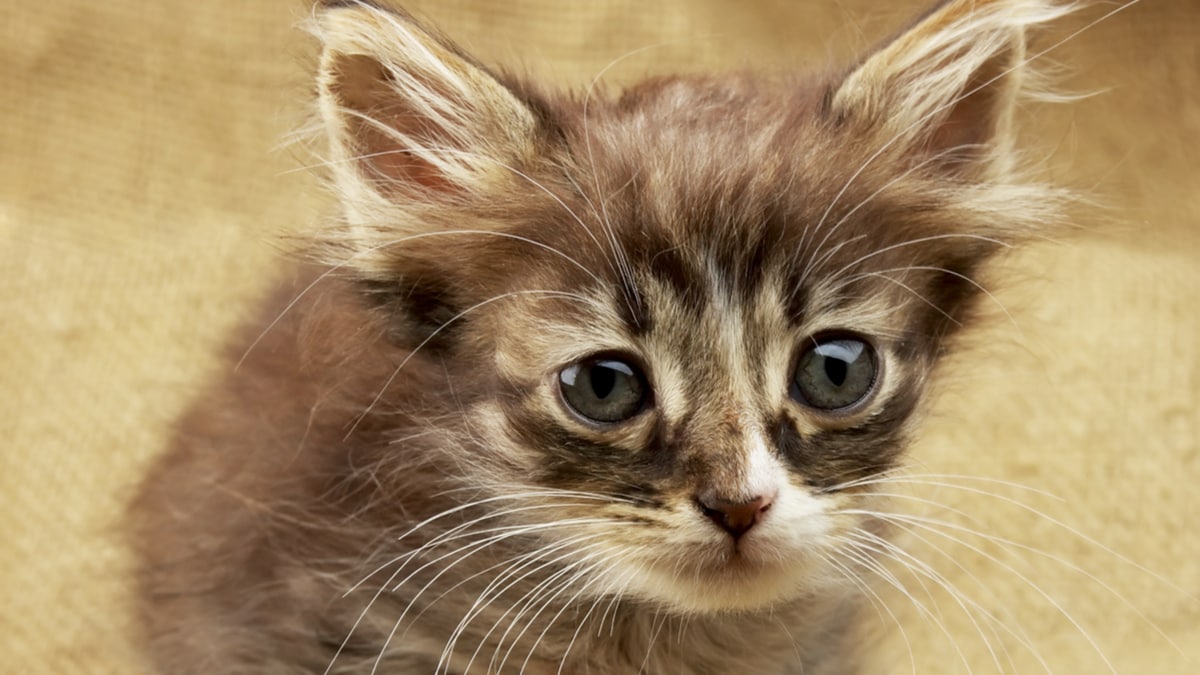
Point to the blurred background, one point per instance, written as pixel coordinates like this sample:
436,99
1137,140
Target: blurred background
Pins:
145,187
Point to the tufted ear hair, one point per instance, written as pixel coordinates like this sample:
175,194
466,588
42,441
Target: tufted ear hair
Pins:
410,118
420,140
945,90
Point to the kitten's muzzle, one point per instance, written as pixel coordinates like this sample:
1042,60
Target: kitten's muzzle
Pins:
735,517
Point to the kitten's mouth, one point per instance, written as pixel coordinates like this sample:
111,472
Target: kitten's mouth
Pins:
739,581
741,558
740,554
736,575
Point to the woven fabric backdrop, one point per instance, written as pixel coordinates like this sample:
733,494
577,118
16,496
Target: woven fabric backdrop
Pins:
144,187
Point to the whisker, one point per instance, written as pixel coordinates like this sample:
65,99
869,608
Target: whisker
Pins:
890,550
572,574
814,264
503,534
1072,530
877,602
869,479
1018,634
655,629
982,289
928,524
568,603
475,548
916,241
502,583
620,586
1072,567
906,477
471,549
915,293
473,504
853,552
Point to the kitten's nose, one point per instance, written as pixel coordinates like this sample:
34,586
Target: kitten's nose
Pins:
736,517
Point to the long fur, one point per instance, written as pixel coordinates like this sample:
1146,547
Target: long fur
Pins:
393,480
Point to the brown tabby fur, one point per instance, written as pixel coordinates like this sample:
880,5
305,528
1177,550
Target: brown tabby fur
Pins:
394,420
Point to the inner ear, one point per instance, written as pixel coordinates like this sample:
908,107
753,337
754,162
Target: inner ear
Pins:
944,92
979,118
376,119
420,137
410,112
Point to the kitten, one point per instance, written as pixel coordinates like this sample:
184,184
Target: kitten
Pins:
584,384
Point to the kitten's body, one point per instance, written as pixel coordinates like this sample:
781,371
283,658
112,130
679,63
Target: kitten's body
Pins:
397,475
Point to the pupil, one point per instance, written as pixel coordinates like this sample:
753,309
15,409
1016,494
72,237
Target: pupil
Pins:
836,370
603,381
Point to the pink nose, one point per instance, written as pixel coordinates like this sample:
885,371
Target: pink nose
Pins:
735,517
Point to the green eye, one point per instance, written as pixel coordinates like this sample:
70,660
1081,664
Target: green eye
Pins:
834,373
603,389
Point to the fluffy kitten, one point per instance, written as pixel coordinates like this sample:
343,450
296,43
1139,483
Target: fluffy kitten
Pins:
583,384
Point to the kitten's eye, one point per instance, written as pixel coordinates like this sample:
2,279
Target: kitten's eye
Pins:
603,389
834,373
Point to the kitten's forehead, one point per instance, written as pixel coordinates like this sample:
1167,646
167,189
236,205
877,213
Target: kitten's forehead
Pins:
701,181
688,141
689,210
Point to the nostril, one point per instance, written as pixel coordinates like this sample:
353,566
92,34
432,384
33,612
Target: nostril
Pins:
735,517
714,515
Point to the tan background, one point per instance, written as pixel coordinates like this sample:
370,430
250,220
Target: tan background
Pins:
142,189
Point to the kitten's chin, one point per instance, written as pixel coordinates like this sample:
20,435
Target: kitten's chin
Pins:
736,583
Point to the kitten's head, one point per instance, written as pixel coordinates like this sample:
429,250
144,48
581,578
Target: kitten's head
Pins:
689,324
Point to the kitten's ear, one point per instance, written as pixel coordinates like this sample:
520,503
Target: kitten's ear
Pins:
410,118
945,90
420,137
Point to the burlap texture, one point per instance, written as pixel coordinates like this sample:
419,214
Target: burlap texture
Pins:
142,190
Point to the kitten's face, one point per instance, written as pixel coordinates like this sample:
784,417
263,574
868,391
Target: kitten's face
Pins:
695,355
695,321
